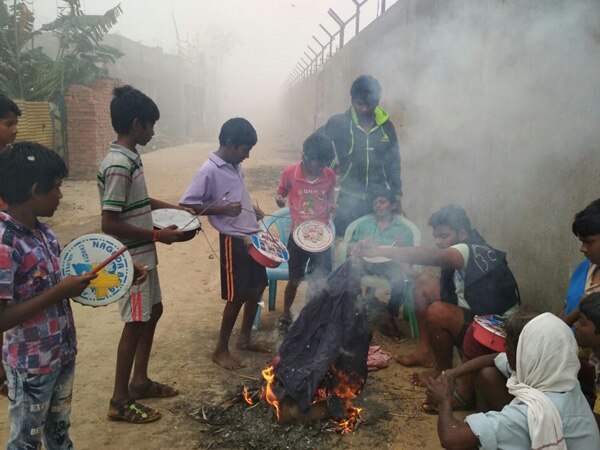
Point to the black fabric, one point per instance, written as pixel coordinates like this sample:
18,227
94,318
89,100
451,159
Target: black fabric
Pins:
331,330
319,264
490,287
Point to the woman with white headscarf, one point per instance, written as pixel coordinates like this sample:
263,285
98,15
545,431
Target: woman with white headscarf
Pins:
549,411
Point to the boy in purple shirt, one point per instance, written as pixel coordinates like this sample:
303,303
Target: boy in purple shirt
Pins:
40,347
218,191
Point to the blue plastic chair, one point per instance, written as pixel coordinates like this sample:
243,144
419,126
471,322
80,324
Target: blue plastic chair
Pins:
377,282
283,222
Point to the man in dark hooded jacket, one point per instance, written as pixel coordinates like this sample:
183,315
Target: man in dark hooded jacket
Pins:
367,151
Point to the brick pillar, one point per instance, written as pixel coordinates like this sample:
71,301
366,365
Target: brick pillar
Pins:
89,131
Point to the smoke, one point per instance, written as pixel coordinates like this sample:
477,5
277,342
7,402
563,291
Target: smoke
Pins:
496,104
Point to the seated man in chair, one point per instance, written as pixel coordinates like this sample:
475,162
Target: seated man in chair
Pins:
386,228
475,280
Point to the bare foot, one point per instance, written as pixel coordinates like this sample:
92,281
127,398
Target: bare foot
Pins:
416,358
258,346
226,361
421,379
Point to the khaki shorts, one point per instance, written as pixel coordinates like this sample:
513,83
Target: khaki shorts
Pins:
136,305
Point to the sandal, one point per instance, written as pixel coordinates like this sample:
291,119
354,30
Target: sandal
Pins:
152,390
133,412
3,386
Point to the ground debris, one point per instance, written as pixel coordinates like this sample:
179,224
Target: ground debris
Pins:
233,423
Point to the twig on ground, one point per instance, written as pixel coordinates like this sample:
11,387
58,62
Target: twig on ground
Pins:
241,375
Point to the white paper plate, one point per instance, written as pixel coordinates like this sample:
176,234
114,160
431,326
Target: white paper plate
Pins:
162,218
83,254
313,236
378,259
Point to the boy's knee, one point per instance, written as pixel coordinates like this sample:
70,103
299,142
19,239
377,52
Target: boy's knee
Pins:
489,376
157,311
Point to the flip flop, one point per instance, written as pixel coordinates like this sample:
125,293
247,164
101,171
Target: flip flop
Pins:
152,390
132,412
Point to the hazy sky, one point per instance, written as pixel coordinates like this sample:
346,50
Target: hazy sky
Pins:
269,36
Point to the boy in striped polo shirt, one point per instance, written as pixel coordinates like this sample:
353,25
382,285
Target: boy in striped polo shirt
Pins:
126,214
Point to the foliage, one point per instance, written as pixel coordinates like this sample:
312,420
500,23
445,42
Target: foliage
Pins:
80,59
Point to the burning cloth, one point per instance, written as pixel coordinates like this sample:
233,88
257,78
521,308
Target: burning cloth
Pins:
327,345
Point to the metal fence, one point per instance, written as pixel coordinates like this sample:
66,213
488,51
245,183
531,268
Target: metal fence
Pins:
309,63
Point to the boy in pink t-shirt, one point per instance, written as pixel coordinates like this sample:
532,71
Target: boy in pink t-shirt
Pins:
310,188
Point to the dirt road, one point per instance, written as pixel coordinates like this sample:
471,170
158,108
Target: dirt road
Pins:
186,333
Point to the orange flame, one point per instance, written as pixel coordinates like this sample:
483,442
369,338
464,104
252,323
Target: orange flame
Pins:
347,391
247,397
268,394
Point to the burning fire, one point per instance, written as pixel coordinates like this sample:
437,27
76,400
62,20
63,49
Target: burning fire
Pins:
267,393
247,397
345,389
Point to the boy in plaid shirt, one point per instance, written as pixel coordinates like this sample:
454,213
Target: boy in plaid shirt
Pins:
40,346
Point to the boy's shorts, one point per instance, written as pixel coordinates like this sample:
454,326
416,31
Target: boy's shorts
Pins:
136,305
471,346
468,317
241,276
319,264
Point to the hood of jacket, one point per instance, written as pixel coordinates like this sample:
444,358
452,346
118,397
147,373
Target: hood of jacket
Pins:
381,116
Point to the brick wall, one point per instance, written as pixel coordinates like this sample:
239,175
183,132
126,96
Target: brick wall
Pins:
88,126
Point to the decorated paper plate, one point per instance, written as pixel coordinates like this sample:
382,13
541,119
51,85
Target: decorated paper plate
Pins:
162,218
267,250
488,331
84,254
378,259
313,236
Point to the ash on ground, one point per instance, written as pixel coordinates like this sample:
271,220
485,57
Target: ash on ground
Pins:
236,424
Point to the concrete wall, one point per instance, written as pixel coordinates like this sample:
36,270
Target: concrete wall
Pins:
497,103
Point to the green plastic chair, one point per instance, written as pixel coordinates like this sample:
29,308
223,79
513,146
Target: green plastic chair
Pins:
376,282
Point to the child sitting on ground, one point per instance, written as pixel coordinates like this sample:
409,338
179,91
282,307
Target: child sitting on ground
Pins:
310,188
9,118
587,333
549,410
586,277
490,373
40,347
